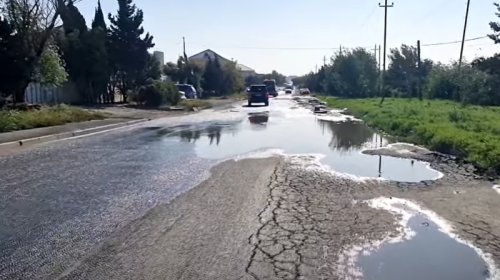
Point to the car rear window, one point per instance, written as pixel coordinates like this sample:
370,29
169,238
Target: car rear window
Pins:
258,88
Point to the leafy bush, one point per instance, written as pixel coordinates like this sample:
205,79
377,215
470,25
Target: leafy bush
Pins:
467,85
157,93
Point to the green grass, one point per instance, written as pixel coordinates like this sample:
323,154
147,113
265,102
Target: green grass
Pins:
47,116
469,132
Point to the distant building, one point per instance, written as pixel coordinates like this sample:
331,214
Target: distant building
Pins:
160,57
203,57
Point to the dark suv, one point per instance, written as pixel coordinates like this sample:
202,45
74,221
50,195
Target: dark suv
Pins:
258,94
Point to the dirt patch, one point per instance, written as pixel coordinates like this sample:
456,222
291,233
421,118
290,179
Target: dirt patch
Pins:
312,217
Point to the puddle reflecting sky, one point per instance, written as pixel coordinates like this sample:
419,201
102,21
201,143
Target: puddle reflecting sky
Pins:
298,131
430,254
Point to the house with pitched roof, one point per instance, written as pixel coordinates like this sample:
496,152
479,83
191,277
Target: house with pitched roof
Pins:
203,57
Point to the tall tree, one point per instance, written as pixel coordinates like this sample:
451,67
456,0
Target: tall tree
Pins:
98,21
99,57
85,53
404,74
495,26
352,74
27,26
232,81
213,76
128,48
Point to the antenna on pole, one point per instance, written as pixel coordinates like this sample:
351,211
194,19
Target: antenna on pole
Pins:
385,6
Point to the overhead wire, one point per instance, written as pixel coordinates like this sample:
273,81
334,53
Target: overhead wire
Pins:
453,42
335,48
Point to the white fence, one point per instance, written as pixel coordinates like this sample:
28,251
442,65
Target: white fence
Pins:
38,94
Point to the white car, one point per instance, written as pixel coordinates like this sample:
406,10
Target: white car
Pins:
305,91
188,90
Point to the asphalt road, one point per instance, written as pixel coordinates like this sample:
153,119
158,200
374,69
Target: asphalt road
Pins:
59,201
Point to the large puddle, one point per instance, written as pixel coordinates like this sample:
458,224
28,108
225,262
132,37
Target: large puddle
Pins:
426,248
296,130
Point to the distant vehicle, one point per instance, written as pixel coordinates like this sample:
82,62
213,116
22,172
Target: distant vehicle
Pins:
188,90
288,91
271,87
258,94
304,91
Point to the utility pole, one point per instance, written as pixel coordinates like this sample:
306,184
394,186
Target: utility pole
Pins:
385,6
419,72
375,49
463,38
379,56
340,50
184,46
324,60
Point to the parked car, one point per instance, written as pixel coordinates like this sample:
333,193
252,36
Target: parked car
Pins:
288,91
258,94
188,90
304,91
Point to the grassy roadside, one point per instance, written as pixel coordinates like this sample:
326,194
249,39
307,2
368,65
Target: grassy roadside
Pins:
47,116
471,132
189,104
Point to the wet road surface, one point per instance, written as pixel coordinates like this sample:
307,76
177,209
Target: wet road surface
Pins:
295,130
79,209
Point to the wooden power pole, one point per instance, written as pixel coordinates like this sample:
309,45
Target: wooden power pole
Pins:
385,6
463,38
379,56
419,72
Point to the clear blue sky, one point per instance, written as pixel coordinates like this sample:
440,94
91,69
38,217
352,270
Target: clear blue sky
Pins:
257,33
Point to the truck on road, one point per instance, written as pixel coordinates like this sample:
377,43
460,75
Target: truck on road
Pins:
271,87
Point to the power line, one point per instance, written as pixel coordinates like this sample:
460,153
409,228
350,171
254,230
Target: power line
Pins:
322,48
453,42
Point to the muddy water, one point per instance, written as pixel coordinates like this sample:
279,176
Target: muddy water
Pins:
296,130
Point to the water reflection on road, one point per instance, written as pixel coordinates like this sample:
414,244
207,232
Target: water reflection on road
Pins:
298,131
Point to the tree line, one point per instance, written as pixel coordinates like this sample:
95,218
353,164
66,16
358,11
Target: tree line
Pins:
356,74
99,60
50,42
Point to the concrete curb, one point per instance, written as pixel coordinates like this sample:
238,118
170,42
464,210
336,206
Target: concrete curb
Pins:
70,134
